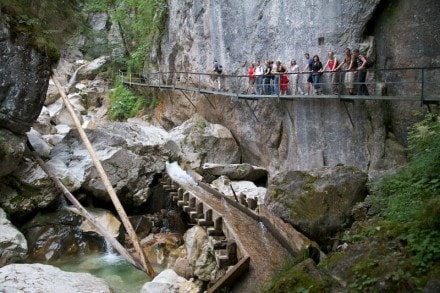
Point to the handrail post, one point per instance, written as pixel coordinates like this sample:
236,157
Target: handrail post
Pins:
423,87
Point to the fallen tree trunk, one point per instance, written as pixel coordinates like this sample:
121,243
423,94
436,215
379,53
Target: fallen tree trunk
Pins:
116,245
113,196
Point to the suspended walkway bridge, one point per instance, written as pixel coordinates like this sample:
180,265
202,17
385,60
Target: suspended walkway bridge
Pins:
398,84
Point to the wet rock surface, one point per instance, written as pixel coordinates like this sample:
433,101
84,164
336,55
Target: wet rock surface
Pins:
318,203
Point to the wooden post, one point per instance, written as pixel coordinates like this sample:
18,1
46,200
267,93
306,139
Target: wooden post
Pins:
113,196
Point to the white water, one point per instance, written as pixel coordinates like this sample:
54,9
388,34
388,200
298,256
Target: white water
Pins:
110,256
180,176
72,80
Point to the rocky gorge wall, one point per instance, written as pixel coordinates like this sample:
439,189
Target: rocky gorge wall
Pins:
301,134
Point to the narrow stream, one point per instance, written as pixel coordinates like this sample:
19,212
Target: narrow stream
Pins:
120,275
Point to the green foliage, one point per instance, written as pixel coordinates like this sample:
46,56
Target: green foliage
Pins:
411,197
124,104
142,23
48,23
291,278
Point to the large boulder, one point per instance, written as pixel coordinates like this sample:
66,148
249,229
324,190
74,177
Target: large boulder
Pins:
318,203
34,278
132,154
199,141
55,235
91,69
13,245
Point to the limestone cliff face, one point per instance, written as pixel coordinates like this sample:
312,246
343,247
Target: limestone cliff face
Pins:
24,78
302,134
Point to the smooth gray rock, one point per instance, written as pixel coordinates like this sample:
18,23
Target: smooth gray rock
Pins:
36,278
199,141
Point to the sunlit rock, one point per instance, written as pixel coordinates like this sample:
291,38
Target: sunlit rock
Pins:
169,281
49,279
243,189
200,141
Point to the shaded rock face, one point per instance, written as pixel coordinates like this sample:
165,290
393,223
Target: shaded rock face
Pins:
26,190
318,203
11,150
58,234
13,245
24,78
304,134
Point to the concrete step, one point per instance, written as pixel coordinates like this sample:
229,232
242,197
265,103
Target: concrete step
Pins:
188,209
205,223
213,232
194,216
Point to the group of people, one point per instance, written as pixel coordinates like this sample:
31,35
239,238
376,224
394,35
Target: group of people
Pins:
275,78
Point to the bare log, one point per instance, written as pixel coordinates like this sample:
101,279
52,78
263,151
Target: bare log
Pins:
113,196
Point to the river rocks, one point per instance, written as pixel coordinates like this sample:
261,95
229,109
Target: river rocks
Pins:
159,246
318,203
33,278
58,234
236,171
13,245
199,141
105,218
169,281
195,258
244,190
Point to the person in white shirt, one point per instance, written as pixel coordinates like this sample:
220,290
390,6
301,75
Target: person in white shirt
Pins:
259,71
295,89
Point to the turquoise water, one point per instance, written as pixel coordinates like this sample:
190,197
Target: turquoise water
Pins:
121,276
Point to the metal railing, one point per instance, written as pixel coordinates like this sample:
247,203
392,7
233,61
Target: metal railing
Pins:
405,84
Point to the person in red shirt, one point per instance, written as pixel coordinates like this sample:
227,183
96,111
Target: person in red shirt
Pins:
331,65
251,75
